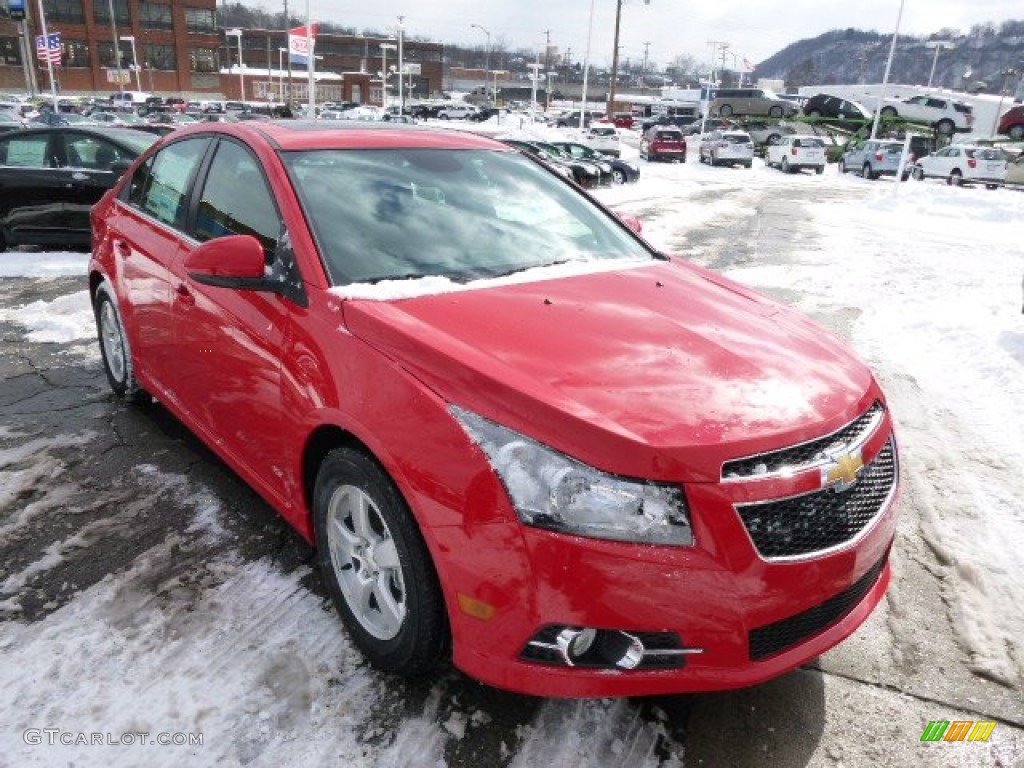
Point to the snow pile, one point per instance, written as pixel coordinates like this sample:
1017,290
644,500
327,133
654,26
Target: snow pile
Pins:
65,319
54,264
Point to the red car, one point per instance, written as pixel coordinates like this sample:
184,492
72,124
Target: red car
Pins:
663,142
518,436
1012,123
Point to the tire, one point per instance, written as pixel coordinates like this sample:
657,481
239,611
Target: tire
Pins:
377,567
819,170
775,112
784,166
1016,132
956,179
917,173
618,177
889,112
946,127
115,349
749,164
991,186
814,113
841,165
867,173
773,139
443,116
725,111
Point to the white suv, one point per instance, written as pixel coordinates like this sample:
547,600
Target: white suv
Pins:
602,138
947,115
794,153
727,148
456,111
962,164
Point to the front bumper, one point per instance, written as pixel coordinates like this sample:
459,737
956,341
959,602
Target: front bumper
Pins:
741,617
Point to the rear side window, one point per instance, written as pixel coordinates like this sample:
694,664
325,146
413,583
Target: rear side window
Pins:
161,186
808,143
26,152
965,108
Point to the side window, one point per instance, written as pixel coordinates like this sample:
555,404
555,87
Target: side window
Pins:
165,192
81,151
26,152
139,183
236,199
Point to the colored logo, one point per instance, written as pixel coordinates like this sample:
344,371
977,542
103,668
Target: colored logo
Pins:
842,471
958,730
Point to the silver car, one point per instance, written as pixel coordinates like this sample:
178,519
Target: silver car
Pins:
729,147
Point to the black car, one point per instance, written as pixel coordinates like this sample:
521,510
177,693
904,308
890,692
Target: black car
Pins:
622,171
599,163
584,174
679,121
51,177
835,111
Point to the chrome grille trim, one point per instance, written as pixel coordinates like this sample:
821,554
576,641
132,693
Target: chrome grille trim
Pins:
826,493
785,462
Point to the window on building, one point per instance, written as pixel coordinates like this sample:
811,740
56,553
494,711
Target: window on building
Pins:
200,20
156,16
10,51
101,12
203,59
76,53
67,11
105,52
159,56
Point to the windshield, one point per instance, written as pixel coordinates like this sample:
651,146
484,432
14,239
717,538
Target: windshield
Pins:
462,214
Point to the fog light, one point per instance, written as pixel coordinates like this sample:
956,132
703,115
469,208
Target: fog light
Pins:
573,643
622,649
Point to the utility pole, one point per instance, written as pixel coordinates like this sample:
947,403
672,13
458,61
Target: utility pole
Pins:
288,45
715,45
643,71
547,49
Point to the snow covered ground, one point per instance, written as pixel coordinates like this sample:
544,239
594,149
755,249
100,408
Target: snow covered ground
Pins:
196,635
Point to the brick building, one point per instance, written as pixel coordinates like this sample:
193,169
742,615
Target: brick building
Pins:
180,49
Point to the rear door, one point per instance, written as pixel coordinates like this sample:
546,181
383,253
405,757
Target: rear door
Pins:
32,188
89,160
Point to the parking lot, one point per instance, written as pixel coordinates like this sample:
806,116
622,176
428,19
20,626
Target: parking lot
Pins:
145,589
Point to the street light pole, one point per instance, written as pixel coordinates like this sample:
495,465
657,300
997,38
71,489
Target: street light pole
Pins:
384,48
885,77
280,72
241,76
117,46
135,60
615,55
487,56
401,67
938,45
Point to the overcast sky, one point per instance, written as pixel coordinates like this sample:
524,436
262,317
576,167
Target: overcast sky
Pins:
755,29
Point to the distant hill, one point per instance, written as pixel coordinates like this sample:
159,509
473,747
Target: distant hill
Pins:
980,60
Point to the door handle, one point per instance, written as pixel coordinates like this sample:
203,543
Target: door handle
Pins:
123,249
185,295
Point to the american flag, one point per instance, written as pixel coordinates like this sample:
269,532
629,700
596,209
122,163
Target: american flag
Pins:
48,48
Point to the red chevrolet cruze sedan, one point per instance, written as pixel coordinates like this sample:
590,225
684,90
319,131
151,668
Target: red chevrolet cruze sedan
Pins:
518,436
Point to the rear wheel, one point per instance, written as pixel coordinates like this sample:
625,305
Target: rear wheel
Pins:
376,565
867,172
618,176
114,347
775,112
956,178
725,110
888,112
945,127
819,170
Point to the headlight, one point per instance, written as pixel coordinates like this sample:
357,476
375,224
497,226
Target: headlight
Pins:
551,490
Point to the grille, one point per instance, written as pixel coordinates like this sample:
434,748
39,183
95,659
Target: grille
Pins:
823,519
808,453
777,637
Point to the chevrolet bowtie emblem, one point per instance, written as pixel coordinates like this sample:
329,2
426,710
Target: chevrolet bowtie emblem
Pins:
841,472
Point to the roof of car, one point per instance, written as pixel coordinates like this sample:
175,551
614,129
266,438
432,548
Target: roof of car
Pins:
291,135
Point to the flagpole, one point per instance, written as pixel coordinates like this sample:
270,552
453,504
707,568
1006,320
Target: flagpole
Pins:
309,63
49,61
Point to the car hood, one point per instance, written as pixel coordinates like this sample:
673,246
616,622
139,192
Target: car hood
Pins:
658,371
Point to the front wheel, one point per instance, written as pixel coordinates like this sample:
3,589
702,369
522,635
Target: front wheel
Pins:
842,166
376,565
618,176
917,173
867,172
888,112
946,127
115,350
775,112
